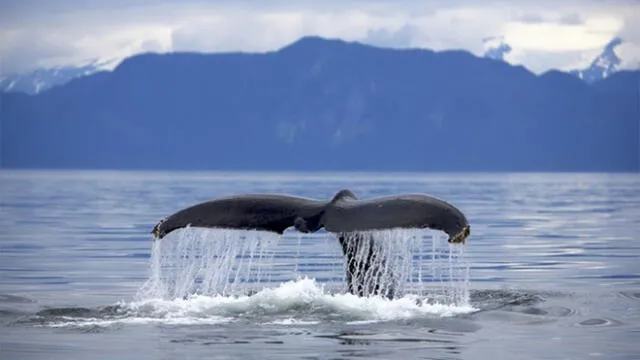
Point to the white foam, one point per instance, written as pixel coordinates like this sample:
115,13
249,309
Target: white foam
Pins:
299,302
293,322
96,322
203,277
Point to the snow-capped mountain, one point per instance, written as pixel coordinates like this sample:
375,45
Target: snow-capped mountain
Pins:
604,65
495,48
45,78
601,67
124,120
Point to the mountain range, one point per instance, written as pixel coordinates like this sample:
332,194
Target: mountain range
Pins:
496,48
42,79
321,104
603,65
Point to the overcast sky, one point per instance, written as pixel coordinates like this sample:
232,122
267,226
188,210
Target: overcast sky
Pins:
544,34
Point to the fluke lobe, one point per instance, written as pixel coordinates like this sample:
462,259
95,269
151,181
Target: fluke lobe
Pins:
345,215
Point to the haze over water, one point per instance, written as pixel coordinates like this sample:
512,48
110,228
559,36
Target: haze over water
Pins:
550,271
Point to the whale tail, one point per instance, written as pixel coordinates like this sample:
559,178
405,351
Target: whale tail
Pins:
344,215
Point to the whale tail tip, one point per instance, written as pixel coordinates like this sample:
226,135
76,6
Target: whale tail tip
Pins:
461,237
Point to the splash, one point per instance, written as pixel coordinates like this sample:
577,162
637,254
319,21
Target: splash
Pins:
209,262
217,262
293,303
400,263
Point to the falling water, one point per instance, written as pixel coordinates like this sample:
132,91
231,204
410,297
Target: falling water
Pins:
404,265
234,262
209,262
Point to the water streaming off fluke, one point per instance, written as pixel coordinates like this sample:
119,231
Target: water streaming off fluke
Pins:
218,262
209,262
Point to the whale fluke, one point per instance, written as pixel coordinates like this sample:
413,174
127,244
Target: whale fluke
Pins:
274,213
344,215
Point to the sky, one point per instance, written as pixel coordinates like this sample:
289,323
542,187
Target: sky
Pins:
544,34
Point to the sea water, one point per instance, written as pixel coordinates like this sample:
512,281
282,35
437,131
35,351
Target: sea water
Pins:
549,271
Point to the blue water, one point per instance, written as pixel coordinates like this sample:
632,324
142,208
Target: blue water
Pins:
551,271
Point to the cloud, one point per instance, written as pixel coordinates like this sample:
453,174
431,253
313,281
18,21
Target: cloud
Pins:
571,19
629,50
630,56
531,18
403,37
35,33
558,37
261,31
55,38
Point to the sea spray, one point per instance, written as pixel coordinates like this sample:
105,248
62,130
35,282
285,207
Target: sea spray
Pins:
449,269
209,262
217,262
290,303
400,263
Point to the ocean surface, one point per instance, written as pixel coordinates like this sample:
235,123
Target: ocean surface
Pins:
551,271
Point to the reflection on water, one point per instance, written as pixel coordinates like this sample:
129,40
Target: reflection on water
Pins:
552,272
